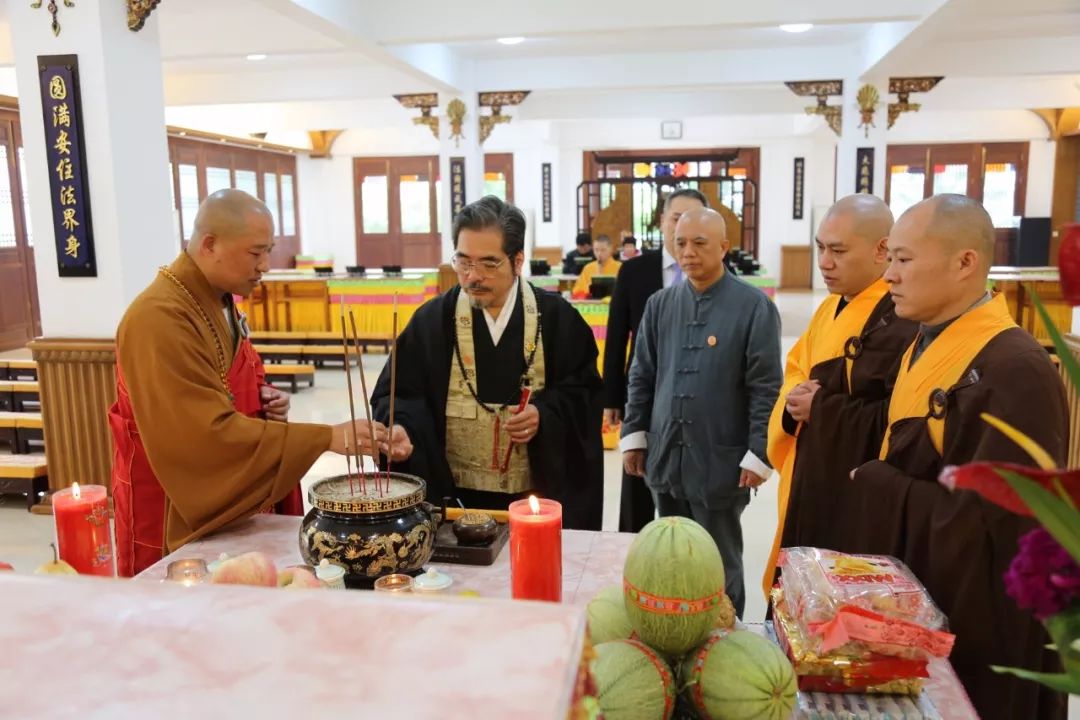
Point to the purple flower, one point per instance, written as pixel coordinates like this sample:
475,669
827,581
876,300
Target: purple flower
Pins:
1043,577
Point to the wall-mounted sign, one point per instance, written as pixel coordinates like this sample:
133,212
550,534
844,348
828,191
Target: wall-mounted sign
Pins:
864,170
545,184
797,191
457,186
61,106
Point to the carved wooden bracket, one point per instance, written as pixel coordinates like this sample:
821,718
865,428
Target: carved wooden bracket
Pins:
425,102
455,113
53,10
822,90
495,101
322,141
1061,122
139,11
902,87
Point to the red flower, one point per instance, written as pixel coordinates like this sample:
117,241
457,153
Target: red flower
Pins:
1069,264
983,478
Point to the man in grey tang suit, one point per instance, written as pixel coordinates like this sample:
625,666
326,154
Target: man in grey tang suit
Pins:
705,375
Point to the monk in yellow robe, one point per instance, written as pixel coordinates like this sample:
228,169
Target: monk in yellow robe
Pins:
830,416
604,264
969,358
198,436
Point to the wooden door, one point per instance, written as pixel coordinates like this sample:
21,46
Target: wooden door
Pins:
19,315
499,175
396,211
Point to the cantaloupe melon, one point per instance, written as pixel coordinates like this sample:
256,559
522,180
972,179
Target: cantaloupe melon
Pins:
607,616
739,676
673,582
633,682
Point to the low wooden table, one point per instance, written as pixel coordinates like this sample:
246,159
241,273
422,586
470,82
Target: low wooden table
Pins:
23,474
591,561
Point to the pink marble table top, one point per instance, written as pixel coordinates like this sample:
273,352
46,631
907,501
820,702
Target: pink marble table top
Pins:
591,560
81,647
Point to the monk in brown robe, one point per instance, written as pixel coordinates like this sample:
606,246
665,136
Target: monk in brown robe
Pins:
192,418
830,416
968,358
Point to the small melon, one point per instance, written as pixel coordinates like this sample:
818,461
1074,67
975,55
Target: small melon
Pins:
607,616
725,620
739,676
633,682
673,582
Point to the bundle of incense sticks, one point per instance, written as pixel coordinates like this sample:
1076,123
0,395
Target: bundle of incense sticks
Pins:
363,389
393,392
355,448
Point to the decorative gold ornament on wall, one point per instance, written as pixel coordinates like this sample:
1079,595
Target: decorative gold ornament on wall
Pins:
822,90
425,102
496,101
322,141
139,11
868,99
902,87
455,113
53,10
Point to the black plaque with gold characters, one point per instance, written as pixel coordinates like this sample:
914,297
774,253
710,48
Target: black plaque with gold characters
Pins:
797,191
545,184
457,186
66,153
864,170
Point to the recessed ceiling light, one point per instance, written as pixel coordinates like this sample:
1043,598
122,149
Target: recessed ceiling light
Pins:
797,27
511,40
256,56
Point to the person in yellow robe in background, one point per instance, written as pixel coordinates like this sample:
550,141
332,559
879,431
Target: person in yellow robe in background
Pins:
192,419
604,264
830,415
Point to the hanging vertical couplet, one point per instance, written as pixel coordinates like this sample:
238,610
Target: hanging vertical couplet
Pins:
66,156
457,186
545,184
864,170
797,190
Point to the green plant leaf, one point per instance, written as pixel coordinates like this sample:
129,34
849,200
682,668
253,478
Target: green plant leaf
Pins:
1064,629
1072,367
1059,519
1062,682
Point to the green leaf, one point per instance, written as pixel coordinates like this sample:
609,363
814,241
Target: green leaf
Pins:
1059,519
1062,682
1064,629
1072,367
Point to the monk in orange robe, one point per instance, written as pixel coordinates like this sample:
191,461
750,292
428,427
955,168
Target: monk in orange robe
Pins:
830,416
200,440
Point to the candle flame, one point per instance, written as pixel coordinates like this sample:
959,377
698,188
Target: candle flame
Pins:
75,492
534,505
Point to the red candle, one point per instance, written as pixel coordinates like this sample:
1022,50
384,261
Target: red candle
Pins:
83,538
536,550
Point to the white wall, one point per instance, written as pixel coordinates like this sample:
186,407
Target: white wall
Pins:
327,212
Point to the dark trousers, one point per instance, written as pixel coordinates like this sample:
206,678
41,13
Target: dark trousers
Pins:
725,526
636,507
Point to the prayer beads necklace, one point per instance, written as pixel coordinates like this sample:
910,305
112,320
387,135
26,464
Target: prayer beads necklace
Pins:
222,372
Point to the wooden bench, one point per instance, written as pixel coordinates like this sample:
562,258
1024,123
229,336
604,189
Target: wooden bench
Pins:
8,433
24,475
280,353
273,337
22,370
29,429
320,354
25,396
3,370
290,374
324,337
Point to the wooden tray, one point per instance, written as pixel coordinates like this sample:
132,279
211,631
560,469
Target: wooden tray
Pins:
447,549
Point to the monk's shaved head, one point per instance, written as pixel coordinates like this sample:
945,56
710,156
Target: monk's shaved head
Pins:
700,246
232,240
870,218
941,250
957,222
226,214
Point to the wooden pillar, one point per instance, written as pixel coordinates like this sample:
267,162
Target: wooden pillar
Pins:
78,384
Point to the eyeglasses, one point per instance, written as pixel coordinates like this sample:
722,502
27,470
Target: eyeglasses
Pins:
483,267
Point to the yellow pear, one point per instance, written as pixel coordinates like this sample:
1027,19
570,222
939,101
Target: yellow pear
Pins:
56,567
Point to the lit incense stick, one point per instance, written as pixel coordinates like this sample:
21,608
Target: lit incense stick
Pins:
393,393
367,401
352,411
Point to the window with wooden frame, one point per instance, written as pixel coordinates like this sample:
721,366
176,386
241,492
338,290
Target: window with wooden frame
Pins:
397,211
995,174
499,175
201,166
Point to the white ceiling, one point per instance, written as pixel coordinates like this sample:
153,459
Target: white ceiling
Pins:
608,58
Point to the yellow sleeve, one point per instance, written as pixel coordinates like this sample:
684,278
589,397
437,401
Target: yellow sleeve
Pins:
581,285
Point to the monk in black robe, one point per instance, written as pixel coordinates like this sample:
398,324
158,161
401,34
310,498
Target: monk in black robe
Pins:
465,359
837,382
969,358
